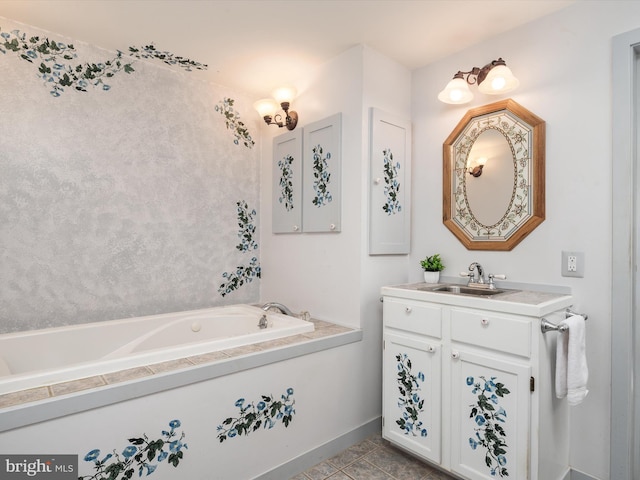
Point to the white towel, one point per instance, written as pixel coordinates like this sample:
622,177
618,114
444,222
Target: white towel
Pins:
571,361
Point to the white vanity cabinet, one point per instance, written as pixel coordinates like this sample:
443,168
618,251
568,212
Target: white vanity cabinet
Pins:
468,383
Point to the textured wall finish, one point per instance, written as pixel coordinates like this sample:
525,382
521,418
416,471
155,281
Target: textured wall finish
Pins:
118,203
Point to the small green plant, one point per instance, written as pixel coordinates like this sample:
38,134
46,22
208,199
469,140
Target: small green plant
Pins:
432,263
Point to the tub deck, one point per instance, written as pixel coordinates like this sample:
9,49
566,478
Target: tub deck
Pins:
14,406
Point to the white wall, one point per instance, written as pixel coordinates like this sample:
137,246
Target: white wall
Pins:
331,275
563,62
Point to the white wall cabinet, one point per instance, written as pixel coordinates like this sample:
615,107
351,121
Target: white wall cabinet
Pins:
470,389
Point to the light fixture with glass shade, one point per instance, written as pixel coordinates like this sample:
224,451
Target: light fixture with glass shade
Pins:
493,79
267,108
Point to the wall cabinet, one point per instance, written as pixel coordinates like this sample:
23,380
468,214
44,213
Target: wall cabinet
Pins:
469,389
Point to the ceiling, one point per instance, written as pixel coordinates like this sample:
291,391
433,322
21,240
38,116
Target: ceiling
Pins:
257,45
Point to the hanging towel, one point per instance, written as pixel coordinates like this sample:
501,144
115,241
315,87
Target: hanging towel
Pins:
571,361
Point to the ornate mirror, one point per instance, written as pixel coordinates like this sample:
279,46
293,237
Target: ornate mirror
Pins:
493,176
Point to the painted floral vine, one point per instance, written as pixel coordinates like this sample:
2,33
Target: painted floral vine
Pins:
321,176
410,401
391,184
265,413
247,227
286,182
243,273
55,67
142,456
488,416
233,122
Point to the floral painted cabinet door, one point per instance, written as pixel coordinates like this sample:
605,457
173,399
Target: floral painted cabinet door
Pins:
412,390
490,417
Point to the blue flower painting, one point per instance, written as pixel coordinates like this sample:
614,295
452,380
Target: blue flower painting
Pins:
410,402
488,418
252,416
140,458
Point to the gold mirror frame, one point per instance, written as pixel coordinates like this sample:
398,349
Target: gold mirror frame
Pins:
525,134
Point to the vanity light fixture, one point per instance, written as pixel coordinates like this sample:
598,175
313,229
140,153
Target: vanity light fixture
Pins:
267,108
494,78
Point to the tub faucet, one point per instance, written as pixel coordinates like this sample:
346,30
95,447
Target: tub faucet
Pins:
472,277
279,306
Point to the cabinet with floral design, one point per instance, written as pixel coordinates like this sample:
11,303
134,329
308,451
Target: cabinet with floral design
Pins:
412,386
468,385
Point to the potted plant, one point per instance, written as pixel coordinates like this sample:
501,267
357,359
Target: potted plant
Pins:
432,267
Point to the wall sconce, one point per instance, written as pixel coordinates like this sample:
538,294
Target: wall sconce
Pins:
268,107
494,78
475,167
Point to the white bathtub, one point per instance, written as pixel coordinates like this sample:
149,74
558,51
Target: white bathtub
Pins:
43,357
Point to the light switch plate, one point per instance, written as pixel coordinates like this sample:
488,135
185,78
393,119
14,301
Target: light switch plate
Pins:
572,264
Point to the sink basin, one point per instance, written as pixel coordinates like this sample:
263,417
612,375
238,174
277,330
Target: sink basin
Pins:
462,290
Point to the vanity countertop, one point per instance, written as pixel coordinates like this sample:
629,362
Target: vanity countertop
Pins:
519,302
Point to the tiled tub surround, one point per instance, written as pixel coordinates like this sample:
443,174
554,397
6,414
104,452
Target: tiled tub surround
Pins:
78,351
202,366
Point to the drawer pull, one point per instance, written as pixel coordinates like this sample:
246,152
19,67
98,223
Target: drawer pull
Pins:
484,322
455,355
407,310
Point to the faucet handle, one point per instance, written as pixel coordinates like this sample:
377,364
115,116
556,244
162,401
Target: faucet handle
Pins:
492,276
466,274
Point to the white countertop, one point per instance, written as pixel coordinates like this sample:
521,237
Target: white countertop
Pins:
520,302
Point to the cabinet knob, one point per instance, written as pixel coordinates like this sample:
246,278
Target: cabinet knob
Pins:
296,228
455,355
484,322
332,226
431,349
377,181
407,310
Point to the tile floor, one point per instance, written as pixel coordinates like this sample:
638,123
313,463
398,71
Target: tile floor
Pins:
372,459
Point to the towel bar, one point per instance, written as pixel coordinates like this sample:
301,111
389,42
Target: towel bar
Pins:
547,326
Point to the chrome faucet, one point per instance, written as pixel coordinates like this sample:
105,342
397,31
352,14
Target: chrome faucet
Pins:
472,277
263,323
279,306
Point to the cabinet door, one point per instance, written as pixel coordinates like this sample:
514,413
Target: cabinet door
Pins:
489,416
411,394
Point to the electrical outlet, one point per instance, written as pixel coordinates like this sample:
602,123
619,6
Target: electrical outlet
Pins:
572,264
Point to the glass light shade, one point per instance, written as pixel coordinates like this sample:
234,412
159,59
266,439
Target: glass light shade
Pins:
266,106
456,92
284,94
482,161
499,80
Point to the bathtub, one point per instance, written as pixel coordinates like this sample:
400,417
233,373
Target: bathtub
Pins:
35,358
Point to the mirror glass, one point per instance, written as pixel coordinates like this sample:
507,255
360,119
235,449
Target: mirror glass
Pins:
493,183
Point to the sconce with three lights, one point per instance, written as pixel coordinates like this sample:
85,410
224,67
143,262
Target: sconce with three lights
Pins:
268,108
493,79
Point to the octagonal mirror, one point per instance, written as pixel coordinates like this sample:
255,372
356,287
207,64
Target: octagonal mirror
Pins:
493,176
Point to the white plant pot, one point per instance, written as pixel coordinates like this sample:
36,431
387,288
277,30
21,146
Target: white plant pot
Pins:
432,277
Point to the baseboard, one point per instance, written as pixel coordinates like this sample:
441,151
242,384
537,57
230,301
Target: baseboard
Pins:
576,475
321,453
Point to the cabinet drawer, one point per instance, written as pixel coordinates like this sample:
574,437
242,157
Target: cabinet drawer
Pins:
485,329
413,317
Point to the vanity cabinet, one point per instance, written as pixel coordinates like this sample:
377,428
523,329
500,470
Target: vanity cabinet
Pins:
468,385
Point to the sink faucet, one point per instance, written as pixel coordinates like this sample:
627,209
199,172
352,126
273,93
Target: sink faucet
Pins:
279,306
472,277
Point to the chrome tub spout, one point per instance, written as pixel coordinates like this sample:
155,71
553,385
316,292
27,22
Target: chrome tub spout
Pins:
279,306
